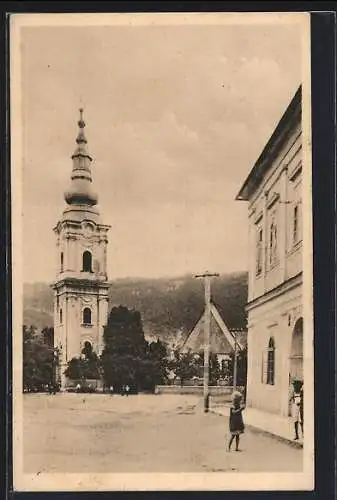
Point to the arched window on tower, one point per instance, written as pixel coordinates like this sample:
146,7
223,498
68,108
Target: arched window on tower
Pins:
87,262
61,262
61,316
271,362
87,316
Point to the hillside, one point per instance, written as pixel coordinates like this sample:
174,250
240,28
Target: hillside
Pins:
170,307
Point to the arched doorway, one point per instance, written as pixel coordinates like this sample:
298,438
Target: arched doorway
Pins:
296,354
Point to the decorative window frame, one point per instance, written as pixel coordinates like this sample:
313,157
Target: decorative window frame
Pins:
296,240
259,251
86,307
258,228
87,251
272,241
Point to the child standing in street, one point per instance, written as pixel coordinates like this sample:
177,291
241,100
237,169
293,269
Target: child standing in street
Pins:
236,425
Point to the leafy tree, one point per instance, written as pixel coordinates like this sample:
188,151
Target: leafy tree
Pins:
37,361
184,365
214,367
48,336
241,374
74,369
87,366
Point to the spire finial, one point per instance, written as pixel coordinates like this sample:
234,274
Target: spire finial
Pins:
81,122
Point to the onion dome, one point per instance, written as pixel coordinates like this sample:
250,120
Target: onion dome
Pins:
80,191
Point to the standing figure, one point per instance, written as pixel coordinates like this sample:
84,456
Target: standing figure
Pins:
236,425
301,408
127,388
296,413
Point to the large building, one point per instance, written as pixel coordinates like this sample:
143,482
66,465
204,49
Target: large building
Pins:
81,285
273,190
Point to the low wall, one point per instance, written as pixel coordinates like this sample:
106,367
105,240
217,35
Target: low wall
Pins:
220,394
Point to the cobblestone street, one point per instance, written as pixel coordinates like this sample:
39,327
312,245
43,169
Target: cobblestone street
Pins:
145,433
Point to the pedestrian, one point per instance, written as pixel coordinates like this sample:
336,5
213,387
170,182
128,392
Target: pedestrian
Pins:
127,388
236,425
295,400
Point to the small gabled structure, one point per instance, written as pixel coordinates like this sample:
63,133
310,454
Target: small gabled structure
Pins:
222,340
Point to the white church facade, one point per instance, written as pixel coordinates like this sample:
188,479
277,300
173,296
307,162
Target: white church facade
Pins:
273,190
81,285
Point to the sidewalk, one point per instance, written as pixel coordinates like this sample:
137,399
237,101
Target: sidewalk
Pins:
280,428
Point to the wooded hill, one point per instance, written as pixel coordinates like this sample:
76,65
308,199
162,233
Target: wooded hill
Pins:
170,307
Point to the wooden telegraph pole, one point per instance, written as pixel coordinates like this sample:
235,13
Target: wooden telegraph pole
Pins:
207,326
235,376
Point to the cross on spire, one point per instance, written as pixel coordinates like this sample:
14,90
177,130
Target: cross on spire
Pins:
81,122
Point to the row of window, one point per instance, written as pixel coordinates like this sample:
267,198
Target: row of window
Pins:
86,262
272,248
86,316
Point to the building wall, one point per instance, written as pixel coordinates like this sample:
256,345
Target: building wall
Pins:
275,318
275,281
274,203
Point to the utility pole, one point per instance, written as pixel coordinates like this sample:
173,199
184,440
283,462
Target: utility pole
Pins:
235,363
207,327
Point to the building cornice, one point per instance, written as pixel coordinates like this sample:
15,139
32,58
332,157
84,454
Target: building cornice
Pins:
80,283
284,287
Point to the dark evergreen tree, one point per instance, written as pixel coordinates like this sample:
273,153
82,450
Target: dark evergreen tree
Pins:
125,350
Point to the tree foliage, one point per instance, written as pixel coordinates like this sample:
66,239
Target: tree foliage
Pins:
127,358
241,379
38,359
214,367
185,365
87,366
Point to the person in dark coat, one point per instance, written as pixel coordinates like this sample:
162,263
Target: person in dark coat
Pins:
236,425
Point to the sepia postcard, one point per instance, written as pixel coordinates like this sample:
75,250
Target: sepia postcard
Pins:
162,252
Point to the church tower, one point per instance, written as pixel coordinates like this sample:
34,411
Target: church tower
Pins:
81,285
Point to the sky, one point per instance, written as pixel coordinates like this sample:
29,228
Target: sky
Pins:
176,118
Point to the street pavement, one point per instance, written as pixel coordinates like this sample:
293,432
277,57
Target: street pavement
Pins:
99,433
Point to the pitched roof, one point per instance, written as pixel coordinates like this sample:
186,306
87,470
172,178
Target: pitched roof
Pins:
222,340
